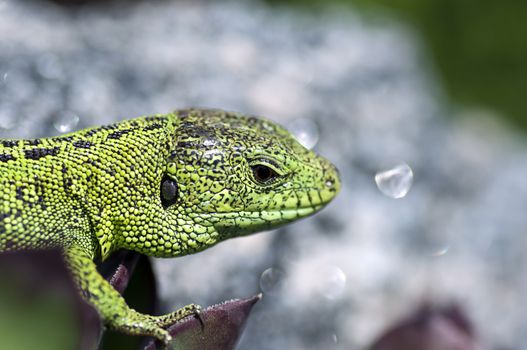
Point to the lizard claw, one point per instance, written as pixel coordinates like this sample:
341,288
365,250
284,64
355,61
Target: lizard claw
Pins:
166,339
199,316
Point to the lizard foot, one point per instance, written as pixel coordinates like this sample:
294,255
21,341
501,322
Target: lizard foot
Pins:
136,323
169,319
142,325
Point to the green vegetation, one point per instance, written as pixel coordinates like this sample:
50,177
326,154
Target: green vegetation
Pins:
43,321
480,47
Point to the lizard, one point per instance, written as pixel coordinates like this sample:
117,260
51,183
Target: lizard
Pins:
163,185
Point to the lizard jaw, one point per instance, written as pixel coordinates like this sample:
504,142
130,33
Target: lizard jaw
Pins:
269,216
246,222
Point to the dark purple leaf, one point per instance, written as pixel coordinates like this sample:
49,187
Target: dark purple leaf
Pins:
119,267
222,326
430,328
130,274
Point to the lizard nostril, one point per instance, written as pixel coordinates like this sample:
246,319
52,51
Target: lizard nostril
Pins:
333,179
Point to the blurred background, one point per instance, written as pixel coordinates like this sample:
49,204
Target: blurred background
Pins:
418,102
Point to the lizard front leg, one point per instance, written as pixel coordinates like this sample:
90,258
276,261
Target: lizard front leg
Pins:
111,305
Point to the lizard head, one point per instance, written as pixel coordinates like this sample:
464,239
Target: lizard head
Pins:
230,175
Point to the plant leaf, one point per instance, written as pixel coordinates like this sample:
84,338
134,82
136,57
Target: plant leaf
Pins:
430,328
221,328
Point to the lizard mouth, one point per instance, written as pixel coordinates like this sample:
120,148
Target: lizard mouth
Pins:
269,216
239,223
290,214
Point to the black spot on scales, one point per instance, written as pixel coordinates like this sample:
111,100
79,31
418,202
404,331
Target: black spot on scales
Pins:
34,142
67,182
92,132
6,157
117,134
152,127
37,153
101,129
154,118
82,144
187,144
110,171
20,193
9,143
62,139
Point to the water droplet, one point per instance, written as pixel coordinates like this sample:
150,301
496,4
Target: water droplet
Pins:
65,121
305,131
272,280
328,341
5,78
395,182
333,281
441,251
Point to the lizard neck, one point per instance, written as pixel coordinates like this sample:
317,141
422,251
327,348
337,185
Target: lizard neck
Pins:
121,167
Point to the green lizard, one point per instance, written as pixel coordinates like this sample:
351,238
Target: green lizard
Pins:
162,185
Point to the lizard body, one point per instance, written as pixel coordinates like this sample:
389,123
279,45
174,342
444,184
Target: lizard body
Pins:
163,185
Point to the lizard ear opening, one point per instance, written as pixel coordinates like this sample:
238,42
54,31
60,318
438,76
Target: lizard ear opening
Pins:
169,191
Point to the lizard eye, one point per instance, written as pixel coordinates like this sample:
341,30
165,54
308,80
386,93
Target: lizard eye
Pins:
168,191
263,174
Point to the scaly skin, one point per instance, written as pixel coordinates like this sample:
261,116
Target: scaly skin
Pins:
164,185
